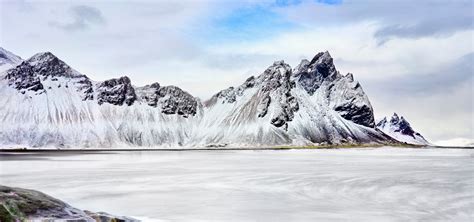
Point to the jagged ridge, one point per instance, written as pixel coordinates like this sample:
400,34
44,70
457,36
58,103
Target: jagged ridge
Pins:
47,103
400,129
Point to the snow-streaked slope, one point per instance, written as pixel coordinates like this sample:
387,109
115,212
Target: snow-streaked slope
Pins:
46,103
399,129
8,60
313,105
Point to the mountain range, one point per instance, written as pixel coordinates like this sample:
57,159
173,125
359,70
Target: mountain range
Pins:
46,103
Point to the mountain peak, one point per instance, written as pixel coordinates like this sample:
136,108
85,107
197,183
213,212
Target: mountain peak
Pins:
322,57
42,57
400,129
311,75
47,64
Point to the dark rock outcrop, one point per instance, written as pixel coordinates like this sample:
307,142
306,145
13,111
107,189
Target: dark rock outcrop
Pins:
30,75
23,77
48,65
176,101
17,204
310,75
116,92
171,99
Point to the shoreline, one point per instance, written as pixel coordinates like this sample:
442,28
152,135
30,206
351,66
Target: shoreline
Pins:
60,150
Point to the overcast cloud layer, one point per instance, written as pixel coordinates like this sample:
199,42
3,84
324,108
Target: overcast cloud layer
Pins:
411,57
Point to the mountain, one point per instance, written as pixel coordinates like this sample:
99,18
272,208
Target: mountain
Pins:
399,129
311,104
8,60
46,103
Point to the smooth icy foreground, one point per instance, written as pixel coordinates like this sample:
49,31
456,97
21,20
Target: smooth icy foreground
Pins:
389,184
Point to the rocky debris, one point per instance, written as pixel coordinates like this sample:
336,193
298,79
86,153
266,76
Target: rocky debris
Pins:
400,129
171,99
17,204
116,92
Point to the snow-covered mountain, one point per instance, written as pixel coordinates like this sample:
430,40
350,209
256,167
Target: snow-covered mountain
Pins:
399,129
46,103
311,104
8,60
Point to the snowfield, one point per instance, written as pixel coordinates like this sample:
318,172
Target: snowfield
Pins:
383,184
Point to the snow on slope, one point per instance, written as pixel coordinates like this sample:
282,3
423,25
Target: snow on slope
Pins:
312,105
46,103
399,129
8,60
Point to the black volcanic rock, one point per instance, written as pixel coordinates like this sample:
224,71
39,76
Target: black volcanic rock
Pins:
116,92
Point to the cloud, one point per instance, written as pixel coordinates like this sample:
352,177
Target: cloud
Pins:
436,27
82,18
396,19
435,103
441,81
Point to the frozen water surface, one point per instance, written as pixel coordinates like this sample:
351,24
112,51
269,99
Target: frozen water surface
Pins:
390,184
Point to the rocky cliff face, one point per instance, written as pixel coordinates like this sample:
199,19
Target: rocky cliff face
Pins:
116,92
47,103
399,129
343,94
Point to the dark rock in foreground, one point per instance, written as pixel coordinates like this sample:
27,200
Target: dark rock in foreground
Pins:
17,204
